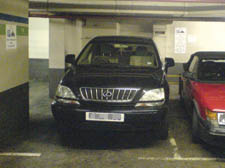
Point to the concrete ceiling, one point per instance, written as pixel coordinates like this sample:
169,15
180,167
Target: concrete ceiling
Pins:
162,9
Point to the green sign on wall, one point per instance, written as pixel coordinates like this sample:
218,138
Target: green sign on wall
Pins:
2,29
20,30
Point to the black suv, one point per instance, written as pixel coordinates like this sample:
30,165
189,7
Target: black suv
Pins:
116,83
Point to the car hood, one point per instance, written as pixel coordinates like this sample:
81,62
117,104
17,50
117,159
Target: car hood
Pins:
213,96
113,79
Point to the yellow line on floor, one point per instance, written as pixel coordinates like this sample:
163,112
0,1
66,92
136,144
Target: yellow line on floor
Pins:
21,154
173,76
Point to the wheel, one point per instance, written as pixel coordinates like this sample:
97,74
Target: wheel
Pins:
162,132
195,127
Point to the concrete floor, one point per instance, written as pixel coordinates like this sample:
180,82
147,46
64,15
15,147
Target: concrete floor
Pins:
106,149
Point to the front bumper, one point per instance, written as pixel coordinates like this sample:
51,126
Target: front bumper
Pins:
135,119
212,135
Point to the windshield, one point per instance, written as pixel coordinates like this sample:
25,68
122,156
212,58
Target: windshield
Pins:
212,70
119,54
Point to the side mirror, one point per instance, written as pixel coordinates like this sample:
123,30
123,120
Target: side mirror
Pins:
185,66
169,62
69,61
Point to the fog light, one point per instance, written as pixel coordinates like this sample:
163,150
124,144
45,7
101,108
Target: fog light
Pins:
221,118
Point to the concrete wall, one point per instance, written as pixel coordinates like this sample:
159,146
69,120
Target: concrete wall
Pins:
93,28
159,37
68,37
38,48
38,38
132,29
103,27
201,36
14,89
65,38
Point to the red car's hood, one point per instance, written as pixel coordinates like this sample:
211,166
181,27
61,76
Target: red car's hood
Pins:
213,96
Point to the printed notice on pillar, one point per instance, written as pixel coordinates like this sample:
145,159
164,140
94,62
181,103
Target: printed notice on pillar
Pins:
180,40
11,42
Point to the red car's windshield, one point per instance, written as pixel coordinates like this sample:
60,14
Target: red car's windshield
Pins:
212,70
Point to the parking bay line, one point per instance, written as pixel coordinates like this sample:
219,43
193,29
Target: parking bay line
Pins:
21,154
177,157
174,144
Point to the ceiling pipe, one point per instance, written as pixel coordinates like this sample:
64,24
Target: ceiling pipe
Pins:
128,17
181,11
188,1
192,1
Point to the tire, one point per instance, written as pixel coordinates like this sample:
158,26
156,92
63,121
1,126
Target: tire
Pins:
162,132
195,128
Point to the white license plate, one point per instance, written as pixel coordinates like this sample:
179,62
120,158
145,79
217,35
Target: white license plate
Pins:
109,117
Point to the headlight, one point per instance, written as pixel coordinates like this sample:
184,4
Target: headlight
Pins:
153,95
64,92
221,118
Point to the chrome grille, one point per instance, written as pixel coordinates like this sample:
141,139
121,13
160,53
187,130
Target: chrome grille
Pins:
119,95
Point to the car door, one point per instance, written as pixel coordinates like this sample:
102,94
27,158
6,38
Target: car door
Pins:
188,77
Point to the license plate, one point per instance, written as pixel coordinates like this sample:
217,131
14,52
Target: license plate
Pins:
109,117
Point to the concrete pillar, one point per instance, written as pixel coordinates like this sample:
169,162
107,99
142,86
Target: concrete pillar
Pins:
78,37
159,37
73,35
117,28
65,38
56,53
14,87
38,48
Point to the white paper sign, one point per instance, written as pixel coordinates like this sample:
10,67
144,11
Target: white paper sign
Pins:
180,40
11,42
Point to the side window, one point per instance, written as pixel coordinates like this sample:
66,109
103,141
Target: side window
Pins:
87,55
194,65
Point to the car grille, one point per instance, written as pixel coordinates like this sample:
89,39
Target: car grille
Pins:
119,95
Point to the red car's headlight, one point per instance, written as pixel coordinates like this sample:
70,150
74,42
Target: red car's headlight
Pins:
221,118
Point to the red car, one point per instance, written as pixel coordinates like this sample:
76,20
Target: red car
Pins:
202,91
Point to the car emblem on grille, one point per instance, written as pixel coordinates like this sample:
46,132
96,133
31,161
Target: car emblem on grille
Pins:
107,94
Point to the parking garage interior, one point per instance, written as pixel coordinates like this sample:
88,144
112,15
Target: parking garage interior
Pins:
36,35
